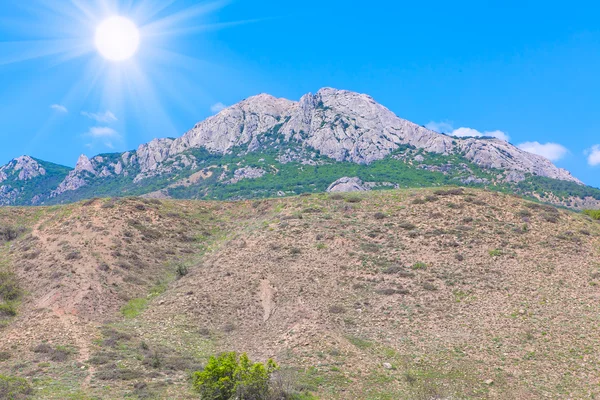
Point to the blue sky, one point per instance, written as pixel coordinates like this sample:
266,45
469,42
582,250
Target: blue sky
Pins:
525,70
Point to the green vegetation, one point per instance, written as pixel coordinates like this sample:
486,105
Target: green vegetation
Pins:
495,253
230,376
595,214
134,307
419,265
14,388
10,293
563,189
27,190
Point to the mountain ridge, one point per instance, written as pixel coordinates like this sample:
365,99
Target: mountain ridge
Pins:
326,128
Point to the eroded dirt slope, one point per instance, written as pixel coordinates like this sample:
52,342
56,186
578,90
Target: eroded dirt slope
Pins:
404,294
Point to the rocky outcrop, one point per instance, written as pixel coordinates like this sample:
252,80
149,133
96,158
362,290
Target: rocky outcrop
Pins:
246,173
77,177
346,184
23,168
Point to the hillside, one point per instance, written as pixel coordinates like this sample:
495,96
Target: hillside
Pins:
412,294
268,147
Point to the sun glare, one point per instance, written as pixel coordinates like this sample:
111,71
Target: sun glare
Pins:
117,38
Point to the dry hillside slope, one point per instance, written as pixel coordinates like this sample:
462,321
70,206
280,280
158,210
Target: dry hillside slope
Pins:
414,294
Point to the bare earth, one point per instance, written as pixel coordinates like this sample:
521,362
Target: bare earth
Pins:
385,295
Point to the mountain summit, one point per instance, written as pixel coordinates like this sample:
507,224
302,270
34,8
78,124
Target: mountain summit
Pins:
274,142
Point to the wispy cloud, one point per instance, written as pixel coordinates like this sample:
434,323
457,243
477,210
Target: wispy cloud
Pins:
102,132
218,107
552,151
105,117
59,108
102,135
440,127
593,154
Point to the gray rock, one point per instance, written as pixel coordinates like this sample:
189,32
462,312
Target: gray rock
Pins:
26,167
246,173
343,125
346,184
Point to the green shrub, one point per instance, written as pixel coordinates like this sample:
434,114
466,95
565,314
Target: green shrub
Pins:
14,388
595,214
10,233
182,270
9,289
231,376
8,310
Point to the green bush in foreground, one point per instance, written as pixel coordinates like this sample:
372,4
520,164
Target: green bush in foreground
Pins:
595,214
229,376
14,388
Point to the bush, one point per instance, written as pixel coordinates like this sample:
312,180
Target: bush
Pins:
229,376
14,388
182,270
10,233
9,288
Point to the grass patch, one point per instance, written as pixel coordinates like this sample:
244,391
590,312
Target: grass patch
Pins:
134,307
12,388
359,342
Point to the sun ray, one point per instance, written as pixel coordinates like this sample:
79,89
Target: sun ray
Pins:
178,18
14,52
61,32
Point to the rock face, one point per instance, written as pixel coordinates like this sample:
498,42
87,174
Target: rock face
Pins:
24,168
345,184
342,125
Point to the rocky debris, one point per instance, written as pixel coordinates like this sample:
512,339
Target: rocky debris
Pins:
246,173
347,184
387,365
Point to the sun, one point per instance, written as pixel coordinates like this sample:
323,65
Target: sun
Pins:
117,38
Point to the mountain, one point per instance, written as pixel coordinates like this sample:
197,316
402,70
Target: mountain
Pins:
266,147
402,294
26,180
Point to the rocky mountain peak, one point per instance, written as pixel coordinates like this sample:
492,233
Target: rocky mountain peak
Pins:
24,167
340,124
84,164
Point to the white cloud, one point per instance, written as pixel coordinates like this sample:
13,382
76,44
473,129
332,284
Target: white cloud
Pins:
59,108
105,117
593,154
440,127
102,135
552,151
447,128
218,107
102,132
470,132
